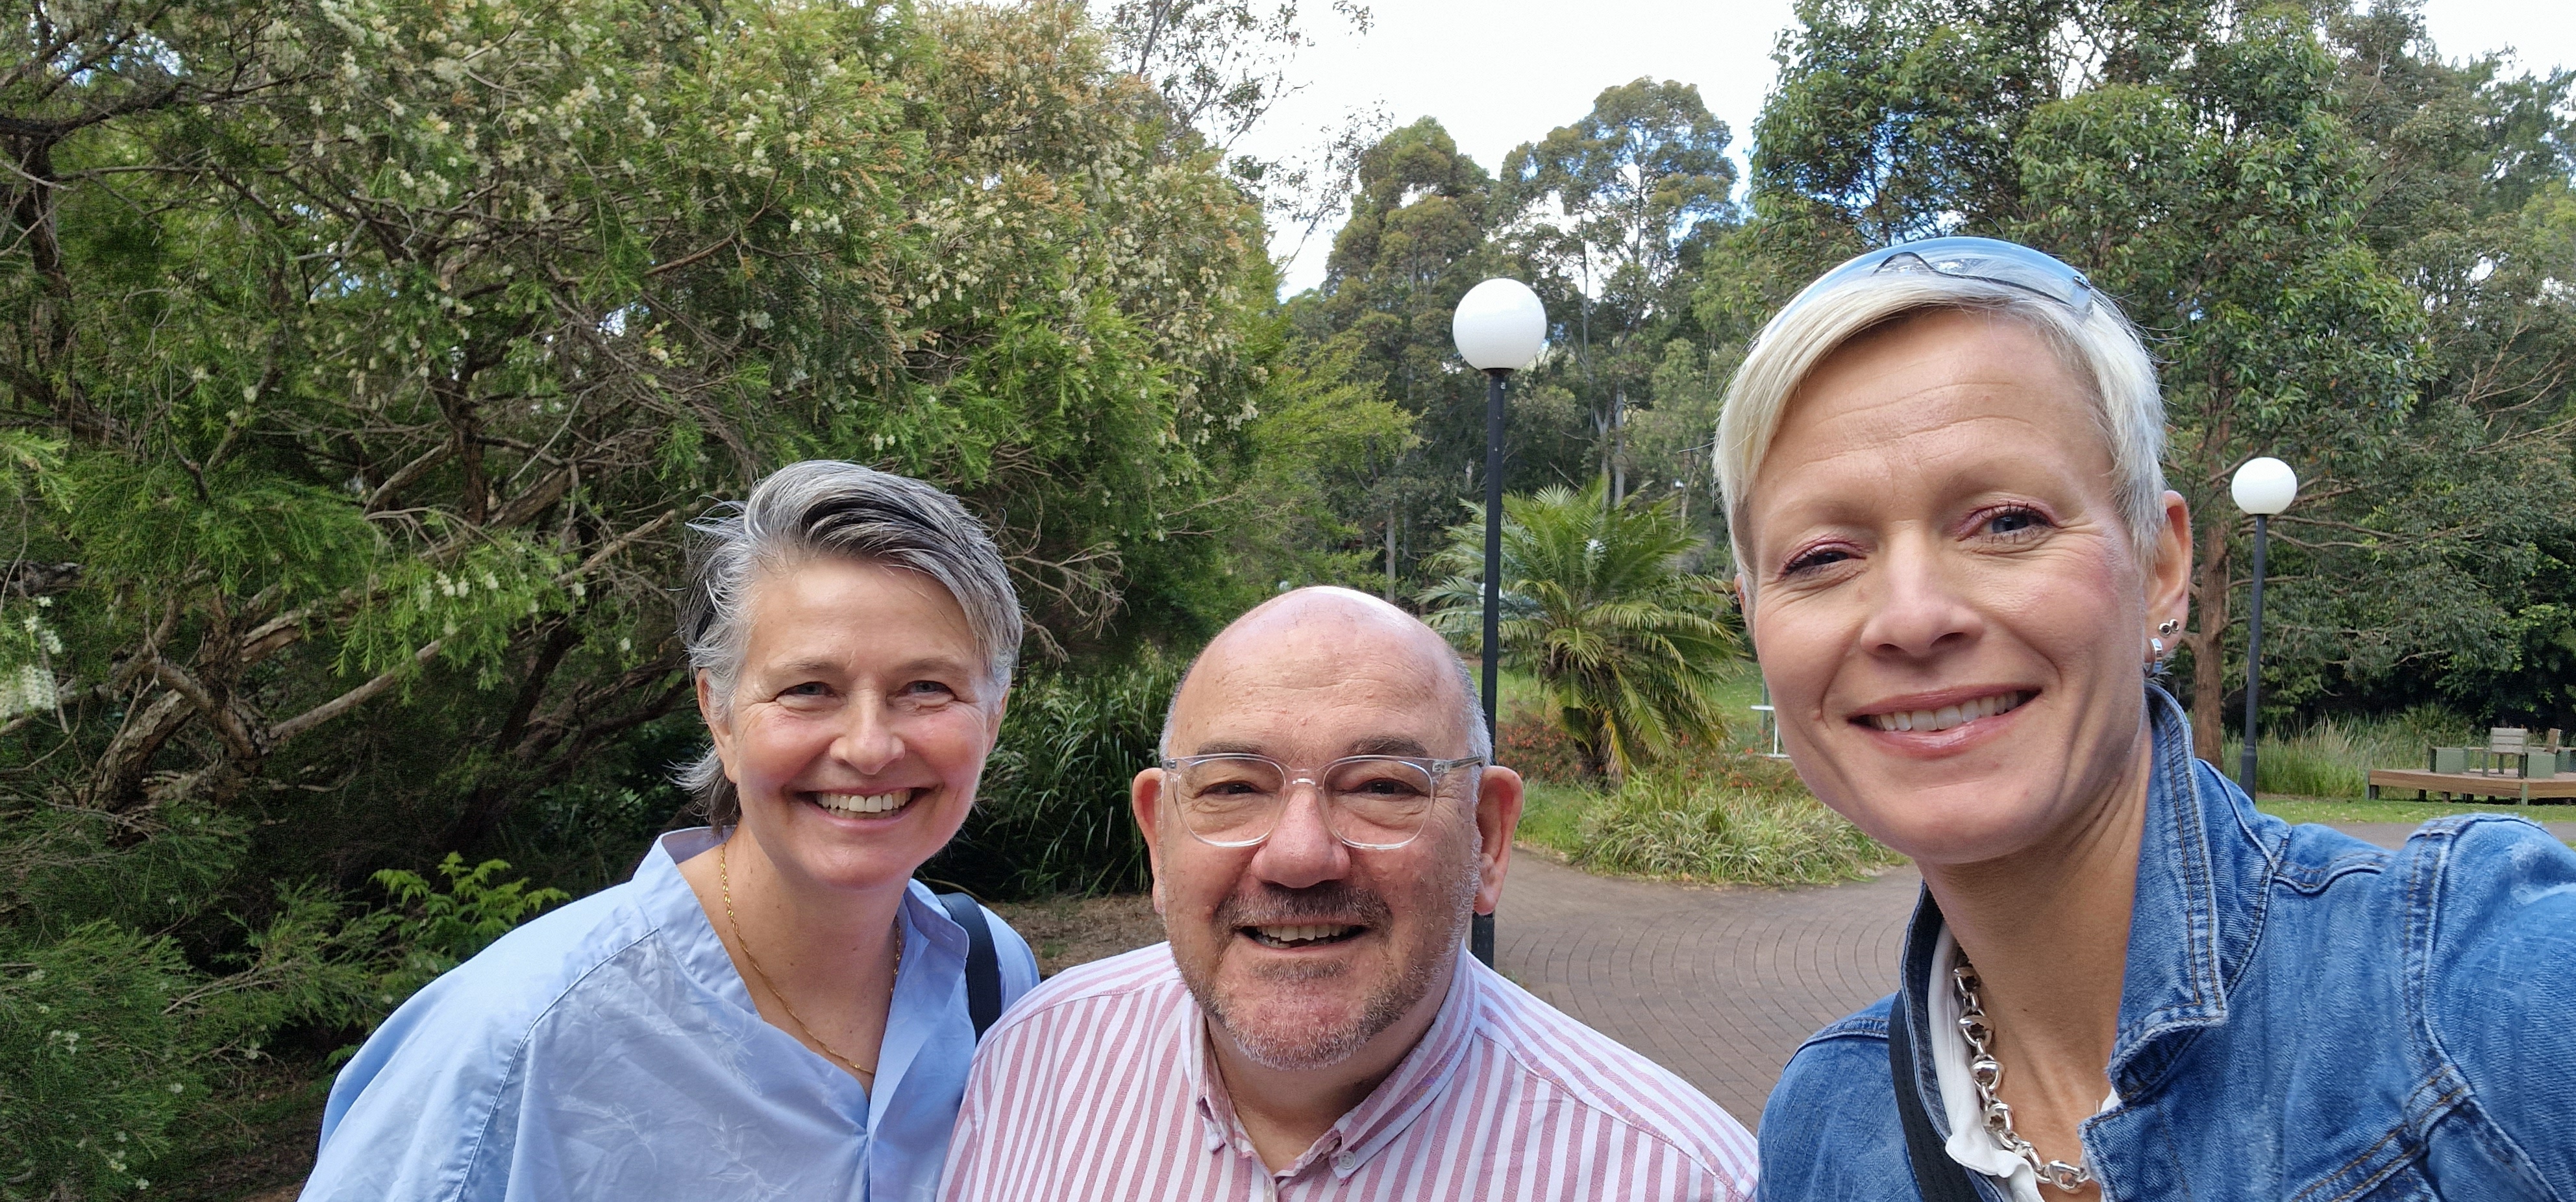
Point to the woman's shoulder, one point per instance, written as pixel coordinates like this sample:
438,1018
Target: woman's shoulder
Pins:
1847,1058
1829,1125
550,954
2492,911
2492,940
414,1102
507,988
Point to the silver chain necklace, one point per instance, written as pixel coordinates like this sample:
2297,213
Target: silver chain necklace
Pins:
1988,1072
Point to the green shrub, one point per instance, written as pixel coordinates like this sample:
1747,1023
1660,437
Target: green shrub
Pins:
1730,819
2332,757
1538,749
1051,817
112,1045
438,931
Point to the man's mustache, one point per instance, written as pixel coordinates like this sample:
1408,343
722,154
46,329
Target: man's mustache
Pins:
1331,902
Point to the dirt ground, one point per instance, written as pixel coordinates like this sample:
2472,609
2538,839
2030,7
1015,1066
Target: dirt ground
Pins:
1074,931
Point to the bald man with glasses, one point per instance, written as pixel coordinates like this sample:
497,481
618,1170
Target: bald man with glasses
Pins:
1323,824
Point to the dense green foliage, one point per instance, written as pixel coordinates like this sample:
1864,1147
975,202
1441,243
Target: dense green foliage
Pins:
1597,604
1052,815
362,361
1719,818
2347,250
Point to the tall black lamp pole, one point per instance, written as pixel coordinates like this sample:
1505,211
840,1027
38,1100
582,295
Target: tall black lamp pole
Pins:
2262,487
2253,655
1480,938
1499,326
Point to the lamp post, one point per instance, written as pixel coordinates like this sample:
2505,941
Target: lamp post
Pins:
1499,327
2262,487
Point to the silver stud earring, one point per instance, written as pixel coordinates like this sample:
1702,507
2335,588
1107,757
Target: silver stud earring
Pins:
2171,625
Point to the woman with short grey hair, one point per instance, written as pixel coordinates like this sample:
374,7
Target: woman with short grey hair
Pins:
772,1007
1962,572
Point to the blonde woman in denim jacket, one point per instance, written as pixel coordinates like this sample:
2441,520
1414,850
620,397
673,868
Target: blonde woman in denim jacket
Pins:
1961,568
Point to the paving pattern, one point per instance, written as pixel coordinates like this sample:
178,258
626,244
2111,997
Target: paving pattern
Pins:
1720,985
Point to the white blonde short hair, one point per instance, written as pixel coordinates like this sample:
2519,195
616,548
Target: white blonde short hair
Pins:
2095,341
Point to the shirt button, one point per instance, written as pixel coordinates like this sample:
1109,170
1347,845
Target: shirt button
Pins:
1342,1161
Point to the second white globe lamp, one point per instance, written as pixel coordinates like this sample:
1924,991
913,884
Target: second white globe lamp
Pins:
2264,486
1499,325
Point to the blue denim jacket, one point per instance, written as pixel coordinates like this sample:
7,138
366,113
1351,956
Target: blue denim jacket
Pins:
2303,1016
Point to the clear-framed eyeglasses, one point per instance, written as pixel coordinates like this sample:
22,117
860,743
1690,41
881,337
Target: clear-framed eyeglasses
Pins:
1371,802
1988,260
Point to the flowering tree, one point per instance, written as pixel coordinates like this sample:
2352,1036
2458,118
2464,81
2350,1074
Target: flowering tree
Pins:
362,363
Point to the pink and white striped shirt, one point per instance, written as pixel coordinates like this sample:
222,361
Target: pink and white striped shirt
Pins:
1099,1085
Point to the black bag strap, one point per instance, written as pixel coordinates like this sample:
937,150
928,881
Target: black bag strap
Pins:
1936,1176
983,964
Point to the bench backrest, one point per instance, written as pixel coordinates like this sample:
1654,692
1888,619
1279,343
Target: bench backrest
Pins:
2507,740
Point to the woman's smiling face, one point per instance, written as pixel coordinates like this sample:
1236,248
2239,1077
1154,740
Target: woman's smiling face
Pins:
859,722
1950,612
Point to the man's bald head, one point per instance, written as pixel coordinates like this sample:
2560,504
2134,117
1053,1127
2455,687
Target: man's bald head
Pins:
1324,626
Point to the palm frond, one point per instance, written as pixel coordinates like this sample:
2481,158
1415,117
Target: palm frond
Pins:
1598,603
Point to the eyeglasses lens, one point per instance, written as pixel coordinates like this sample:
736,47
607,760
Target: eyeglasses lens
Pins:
1369,801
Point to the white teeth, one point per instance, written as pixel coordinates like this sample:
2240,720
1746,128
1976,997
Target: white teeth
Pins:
868,803
1299,934
1949,715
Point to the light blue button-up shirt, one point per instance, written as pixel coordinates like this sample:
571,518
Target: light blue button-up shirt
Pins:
609,1051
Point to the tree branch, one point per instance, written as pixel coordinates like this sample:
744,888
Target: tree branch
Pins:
350,700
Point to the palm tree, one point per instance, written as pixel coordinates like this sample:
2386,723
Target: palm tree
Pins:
1598,605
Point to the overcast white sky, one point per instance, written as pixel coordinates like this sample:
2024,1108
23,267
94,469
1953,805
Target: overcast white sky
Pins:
1498,73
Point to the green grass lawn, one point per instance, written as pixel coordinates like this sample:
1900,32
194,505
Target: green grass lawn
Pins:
2335,809
1552,817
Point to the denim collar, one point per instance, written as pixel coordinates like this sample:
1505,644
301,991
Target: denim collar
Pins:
2200,898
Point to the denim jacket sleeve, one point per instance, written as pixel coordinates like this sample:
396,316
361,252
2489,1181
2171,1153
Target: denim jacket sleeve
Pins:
2492,964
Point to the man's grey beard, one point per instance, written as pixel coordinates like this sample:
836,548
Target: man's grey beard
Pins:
1316,1049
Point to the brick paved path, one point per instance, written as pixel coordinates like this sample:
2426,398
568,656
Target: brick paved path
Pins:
1718,985
1721,985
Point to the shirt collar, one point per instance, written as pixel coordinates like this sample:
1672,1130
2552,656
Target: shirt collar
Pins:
933,967
674,910
1419,1080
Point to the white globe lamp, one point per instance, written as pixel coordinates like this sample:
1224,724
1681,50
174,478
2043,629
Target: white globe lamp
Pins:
2264,486
1499,325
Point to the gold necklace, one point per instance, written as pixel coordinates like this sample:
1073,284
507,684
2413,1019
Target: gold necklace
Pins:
724,881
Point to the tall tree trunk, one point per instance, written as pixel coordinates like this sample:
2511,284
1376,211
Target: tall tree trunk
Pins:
1618,447
1390,552
2209,589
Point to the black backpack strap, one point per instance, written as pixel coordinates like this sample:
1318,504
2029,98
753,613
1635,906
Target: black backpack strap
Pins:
1936,1176
983,964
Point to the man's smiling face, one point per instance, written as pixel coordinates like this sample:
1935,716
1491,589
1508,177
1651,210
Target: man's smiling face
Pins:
1302,948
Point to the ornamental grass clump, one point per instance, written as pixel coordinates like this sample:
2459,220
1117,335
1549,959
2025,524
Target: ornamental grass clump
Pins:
1727,820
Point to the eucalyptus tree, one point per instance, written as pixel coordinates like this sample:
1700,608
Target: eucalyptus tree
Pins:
1612,204
1420,233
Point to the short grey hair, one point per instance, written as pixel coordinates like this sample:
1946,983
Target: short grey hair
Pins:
2100,346
819,508
1480,741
